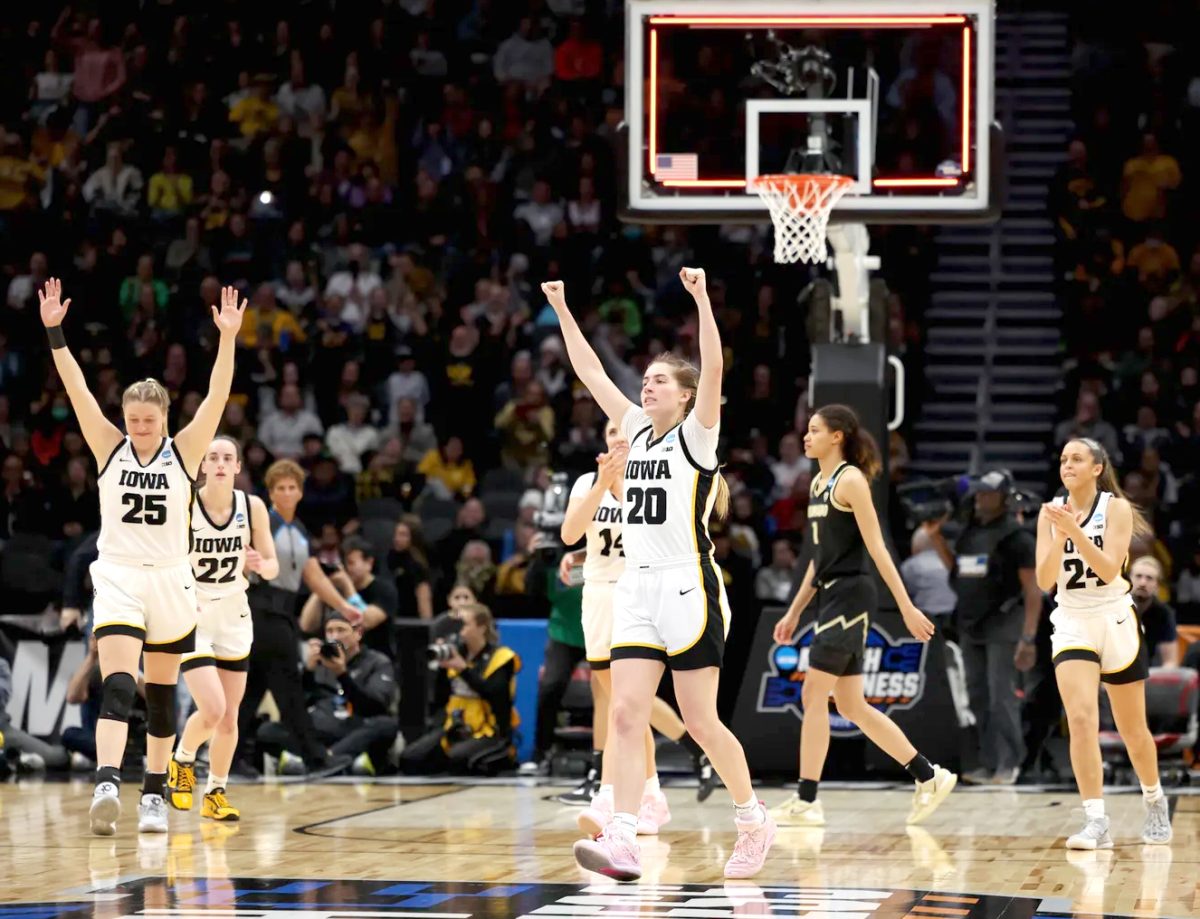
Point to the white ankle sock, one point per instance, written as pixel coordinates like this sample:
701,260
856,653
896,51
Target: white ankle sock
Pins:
185,757
1093,808
750,812
605,792
1151,793
215,782
652,786
625,824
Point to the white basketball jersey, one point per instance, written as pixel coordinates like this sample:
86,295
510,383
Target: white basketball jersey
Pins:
218,553
605,552
144,509
670,487
1079,588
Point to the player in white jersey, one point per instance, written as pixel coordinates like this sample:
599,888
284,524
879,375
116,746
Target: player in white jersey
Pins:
231,534
1082,548
145,597
594,513
669,606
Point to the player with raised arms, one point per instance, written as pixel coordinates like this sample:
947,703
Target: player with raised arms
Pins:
145,598
1082,548
844,530
669,605
231,535
594,513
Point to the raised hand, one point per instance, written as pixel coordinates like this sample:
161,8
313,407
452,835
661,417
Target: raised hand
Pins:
556,294
229,319
54,308
694,282
611,466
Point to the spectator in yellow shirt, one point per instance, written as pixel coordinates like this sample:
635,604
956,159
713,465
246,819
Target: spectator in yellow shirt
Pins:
256,113
1146,180
447,470
1155,261
21,179
170,190
265,325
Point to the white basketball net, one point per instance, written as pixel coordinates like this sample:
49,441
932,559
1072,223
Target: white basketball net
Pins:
800,207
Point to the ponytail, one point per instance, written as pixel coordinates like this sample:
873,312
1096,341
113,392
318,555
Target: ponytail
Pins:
1107,481
720,509
858,446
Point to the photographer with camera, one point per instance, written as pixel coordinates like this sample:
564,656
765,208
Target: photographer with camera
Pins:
351,693
992,571
479,679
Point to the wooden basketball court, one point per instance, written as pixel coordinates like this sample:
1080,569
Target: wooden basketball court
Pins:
497,850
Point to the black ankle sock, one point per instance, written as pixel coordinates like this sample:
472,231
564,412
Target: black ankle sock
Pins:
691,746
108,774
920,768
597,765
808,790
154,783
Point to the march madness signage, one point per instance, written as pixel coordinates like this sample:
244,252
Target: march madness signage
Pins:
902,677
893,676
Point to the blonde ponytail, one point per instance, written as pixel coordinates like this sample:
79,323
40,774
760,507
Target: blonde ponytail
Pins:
720,510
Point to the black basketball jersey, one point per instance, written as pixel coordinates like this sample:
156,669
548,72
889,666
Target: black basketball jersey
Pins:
837,545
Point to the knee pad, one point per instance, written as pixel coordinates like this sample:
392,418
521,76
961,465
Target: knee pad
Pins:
160,710
116,696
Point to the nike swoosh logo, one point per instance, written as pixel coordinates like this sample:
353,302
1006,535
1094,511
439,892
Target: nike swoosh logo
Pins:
688,591
187,586
1119,621
243,615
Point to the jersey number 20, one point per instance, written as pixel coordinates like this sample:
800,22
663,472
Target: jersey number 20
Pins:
648,505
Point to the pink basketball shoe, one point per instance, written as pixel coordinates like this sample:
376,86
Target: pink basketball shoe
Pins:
750,850
615,855
654,814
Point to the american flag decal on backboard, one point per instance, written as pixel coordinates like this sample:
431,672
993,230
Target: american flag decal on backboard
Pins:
676,166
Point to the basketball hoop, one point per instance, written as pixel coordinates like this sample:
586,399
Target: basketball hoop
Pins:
800,206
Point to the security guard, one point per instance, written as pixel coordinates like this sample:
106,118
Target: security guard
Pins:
997,612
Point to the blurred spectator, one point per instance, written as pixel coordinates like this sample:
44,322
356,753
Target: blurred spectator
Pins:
130,296
23,287
1088,422
526,426
579,58
773,583
266,326
525,58
377,592
170,191
283,429
410,574
116,186
447,470
407,382
1146,180
792,463
1157,618
926,576
352,438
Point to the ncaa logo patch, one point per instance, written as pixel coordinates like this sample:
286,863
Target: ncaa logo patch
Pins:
166,454
893,676
671,437
239,518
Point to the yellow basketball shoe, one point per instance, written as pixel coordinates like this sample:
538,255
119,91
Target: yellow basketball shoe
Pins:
217,807
181,782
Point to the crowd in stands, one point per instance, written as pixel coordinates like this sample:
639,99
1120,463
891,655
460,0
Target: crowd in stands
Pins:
1128,253
387,186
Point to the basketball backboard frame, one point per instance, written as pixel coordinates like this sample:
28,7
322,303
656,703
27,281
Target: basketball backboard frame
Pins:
647,201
